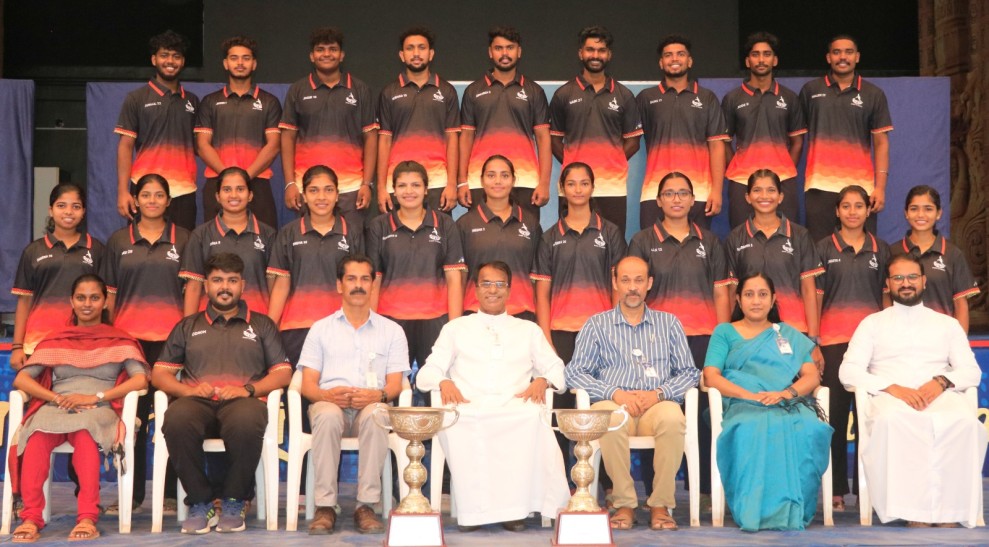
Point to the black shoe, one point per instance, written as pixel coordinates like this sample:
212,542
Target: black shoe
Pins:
467,529
514,525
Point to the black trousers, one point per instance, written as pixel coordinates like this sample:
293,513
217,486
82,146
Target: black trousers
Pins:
841,403
421,334
821,216
263,204
182,211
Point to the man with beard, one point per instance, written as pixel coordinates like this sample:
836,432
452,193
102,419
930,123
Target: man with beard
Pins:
505,113
684,131
595,121
156,122
848,139
638,358
352,362
237,126
924,458
230,358
419,119
767,122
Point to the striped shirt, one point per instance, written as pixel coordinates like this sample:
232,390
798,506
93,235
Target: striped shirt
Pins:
612,355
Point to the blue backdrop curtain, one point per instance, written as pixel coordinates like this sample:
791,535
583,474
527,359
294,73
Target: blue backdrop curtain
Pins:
17,178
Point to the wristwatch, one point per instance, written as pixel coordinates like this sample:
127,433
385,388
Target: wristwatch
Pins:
250,389
384,396
660,396
99,396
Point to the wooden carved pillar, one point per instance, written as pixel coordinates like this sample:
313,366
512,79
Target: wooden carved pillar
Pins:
954,35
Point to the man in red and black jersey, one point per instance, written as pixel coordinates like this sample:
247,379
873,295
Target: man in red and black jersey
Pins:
767,122
156,122
594,120
237,126
848,121
419,119
505,113
328,119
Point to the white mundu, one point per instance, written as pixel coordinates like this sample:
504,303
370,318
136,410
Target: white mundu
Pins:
504,462
922,465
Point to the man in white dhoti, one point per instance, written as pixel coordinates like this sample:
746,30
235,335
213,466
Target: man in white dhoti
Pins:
924,459
504,461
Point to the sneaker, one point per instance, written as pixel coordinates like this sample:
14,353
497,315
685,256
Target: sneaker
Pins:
232,517
201,518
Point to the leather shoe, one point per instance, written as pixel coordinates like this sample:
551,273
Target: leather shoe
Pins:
467,529
323,521
367,522
514,525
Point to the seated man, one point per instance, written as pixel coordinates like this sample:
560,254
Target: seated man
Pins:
504,462
924,458
637,357
230,358
352,362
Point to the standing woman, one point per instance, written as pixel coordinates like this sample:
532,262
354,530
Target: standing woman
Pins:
235,230
141,270
949,279
47,269
850,288
418,262
304,260
497,229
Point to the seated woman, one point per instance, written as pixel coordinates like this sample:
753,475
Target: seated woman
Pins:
773,448
77,379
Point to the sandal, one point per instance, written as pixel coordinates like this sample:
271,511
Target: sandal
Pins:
623,519
85,530
838,503
660,519
27,532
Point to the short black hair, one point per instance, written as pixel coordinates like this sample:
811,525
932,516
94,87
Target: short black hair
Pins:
916,191
418,30
326,35
509,33
837,37
355,258
500,266
673,39
596,32
904,258
241,41
225,262
233,170
169,41
758,38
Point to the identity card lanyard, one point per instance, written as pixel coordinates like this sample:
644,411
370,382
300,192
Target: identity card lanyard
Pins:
640,359
781,342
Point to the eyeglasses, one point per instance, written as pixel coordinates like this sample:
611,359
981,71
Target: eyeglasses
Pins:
901,278
682,194
493,285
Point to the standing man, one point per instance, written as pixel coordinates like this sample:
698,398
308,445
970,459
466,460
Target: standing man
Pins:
230,358
595,121
353,361
328,119
419,120
637,357
684,132
156,122
767,122
237,126
505,113
924,457
848,121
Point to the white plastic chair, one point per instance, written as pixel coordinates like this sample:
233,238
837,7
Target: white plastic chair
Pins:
691,449
266,476
438,460
125,479
863,404
717,489
300,443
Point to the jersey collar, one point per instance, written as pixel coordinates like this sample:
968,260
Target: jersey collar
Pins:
692,87
662,234
940,245
162,91
840,245
252,224
167,235
491,80
243,313
609,83
433,80
84,240
856,81
345,81
487,215
428,221
339,227
595,223
254,94
774,88
783,229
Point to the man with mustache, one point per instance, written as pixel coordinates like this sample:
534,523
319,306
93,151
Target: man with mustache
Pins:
352,362
639,358
924,458
767,122
230,358
420,120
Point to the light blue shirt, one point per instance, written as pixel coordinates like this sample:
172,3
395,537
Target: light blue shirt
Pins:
344,355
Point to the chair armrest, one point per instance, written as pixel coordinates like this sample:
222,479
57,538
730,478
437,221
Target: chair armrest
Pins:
405,397
716,404
583,399
549,398
436,398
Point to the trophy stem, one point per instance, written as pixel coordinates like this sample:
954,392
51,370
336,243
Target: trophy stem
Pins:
415,477
582,475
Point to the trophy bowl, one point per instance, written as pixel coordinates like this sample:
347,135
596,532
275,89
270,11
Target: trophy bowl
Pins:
584,426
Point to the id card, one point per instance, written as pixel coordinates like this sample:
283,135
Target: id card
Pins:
371,379
784,345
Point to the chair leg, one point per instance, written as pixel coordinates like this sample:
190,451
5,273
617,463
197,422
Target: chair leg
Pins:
125,490
310,490
827,489
158,490
717,492
8,503
292,493
181,509
386,488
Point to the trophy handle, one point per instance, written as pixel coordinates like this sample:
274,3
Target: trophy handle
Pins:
544,415
375,415
624,414
456,416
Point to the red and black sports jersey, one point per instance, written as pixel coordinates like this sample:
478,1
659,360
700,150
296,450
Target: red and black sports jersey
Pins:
331,123
486,238
418,120
412,264
207,347
762,124
684,274
504,119
161,123
310,261
578,267
238,125
678,127
593,126
145,279
852,284
45,273
253,246
787,257
841,125
948,274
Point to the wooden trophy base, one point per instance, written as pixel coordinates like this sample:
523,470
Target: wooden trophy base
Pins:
414,530
583,529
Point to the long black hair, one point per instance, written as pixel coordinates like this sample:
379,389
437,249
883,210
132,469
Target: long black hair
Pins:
774,312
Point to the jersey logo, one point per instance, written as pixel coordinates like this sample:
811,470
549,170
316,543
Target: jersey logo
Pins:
87,259
522,96
613,105
524,232
351,100
787,247
189,108
938,264
781,104
696,103
343,245
873,263
258,244
172,254
438,96
435,236
701,251
249,334
599,242
857,100
257,104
